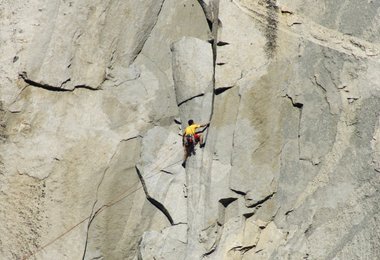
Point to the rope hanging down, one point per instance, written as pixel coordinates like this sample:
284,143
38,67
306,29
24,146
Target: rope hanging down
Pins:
113,202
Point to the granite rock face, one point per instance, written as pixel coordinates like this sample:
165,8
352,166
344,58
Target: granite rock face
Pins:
95,95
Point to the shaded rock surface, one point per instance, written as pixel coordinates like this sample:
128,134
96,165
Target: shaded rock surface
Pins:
95,95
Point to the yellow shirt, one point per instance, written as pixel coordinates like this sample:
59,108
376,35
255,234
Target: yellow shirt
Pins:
190,130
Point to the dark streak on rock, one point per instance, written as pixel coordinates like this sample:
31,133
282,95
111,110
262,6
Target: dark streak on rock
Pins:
271,28
3,126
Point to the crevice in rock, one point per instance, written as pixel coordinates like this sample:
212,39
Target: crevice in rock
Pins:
94,214
219,91
314,163
182,102
319,84
324,90
286,12
97,257
226,201
86,87
214,31
179,223
260,202
220,63
294,103
300,108
208,13
216,242
154,202
65,82
242,249
221,43
141,46
239,192
248,215
308,231
209,252
245,249
164,171
24,76
288,212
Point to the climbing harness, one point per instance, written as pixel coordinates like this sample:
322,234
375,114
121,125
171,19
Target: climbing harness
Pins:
189,140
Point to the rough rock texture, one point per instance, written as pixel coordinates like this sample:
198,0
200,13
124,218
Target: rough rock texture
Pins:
94,96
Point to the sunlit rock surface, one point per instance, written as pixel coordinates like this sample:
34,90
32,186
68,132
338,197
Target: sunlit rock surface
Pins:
94,97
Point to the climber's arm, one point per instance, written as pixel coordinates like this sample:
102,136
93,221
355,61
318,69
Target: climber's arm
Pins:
206,124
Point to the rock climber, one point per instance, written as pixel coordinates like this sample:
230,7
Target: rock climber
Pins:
191,137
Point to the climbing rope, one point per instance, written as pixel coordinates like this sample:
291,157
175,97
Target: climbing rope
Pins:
128,192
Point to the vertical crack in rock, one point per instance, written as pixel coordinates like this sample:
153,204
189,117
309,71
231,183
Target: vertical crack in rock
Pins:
323,89
94,213
154,202
208,13
300,108
140,47
271,28
214,31
234,134
197,170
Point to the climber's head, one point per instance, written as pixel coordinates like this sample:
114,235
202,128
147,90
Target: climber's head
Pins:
190,122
